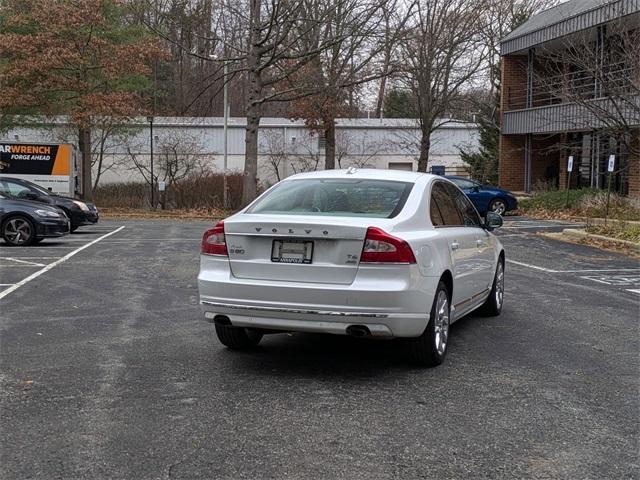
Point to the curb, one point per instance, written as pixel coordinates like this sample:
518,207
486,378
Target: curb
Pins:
602,221
580,234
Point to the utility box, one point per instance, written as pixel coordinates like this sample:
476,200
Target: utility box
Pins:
52,166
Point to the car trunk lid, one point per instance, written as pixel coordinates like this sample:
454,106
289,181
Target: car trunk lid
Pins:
313,249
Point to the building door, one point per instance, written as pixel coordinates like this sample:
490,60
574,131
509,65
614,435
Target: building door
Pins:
406,166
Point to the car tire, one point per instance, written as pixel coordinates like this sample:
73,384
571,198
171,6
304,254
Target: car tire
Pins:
73,228
18,230
430,348
492,307
498,205
237,338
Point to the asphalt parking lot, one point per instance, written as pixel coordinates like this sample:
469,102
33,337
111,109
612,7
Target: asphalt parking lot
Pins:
108,371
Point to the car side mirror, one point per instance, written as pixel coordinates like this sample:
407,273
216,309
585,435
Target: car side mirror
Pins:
492,221
32,196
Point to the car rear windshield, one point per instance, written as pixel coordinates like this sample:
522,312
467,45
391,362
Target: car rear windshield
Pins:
335,197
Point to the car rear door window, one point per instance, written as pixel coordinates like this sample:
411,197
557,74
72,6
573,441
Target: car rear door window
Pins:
436,216
450,216
464,206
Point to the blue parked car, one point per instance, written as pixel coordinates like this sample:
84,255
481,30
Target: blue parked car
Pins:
486,198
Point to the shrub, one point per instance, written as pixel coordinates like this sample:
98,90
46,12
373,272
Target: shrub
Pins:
555,200
202,191
587,202
122,195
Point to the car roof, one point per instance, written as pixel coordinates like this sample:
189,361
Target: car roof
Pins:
367,173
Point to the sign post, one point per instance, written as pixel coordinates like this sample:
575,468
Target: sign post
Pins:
569,170
162,187
610,168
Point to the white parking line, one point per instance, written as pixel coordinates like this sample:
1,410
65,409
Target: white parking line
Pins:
602,270
549,270
30,265
535,267
634,290
560,225
35,275
17,260
31,258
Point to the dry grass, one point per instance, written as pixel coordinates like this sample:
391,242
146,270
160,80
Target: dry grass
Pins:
201,193
588,203
193,214
620,231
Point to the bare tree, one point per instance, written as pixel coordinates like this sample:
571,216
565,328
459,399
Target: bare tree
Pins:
178,157
444,55
501,17
359,155
274,145
277,40
278,48
108,136
362,33
394,28
306,155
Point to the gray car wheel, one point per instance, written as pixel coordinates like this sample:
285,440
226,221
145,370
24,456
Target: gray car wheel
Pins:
18,231
430,348
237,338
493,305
498,206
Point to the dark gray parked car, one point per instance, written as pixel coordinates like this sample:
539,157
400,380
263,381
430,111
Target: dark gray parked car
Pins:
79,212
23,222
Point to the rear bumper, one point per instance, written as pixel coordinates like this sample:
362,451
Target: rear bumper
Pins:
396,305
318,321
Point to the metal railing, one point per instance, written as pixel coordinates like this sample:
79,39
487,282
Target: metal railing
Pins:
611,80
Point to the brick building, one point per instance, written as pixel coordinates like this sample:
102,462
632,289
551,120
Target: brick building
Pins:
571,87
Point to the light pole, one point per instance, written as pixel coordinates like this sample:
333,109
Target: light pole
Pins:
225,115
225,89
150,120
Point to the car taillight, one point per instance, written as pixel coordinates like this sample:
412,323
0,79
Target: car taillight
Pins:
213,241
380,247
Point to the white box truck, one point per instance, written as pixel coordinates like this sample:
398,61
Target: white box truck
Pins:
52,166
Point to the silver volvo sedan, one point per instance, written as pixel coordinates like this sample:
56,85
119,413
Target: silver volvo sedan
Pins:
353,252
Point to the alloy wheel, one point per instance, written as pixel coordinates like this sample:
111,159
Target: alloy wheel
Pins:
18,231
441,322
499,285
499,207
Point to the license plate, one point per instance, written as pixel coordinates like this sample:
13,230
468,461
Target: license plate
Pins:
292,251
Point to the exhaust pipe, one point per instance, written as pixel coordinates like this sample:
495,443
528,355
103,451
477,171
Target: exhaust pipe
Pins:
221,320
358,331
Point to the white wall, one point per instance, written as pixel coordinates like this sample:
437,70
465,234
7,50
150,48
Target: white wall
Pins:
371,142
